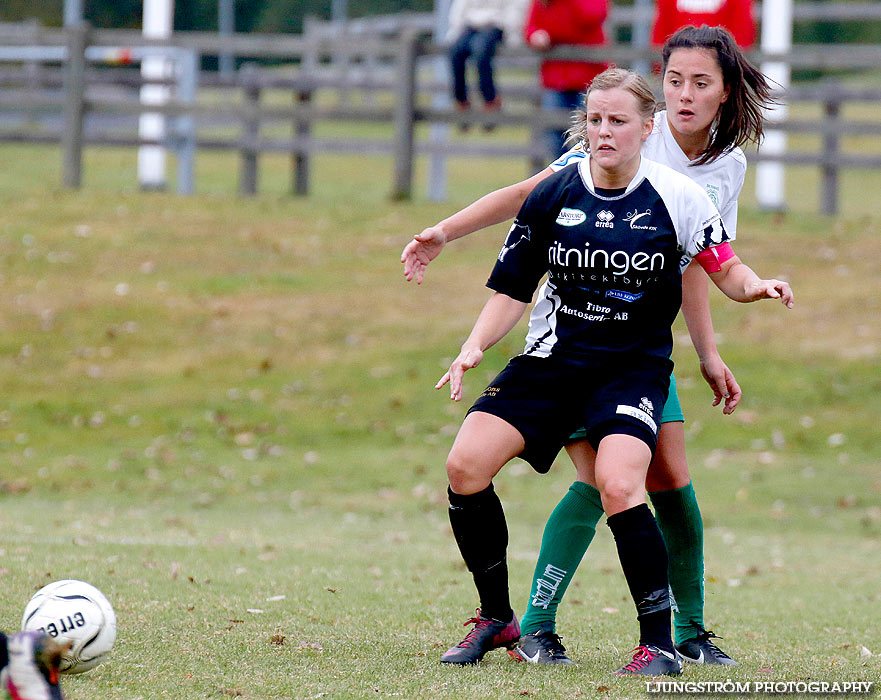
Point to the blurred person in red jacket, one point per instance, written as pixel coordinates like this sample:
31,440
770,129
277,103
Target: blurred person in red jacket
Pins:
735,15
552,23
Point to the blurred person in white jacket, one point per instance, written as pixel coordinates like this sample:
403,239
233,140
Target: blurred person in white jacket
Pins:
476,28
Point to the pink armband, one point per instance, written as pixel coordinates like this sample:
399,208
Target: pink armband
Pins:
711,259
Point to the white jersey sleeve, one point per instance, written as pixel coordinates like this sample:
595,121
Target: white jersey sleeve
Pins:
574,155
695,218
733,173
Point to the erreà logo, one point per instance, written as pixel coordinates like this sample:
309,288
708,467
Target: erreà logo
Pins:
604,219
646,405
571,217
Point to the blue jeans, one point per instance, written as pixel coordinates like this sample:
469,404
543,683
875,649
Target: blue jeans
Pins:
481,44
559,99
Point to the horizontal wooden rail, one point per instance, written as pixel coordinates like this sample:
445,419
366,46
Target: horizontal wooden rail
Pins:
99,103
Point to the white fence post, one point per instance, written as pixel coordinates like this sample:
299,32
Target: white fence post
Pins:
776,39
438,134
642,33
157,24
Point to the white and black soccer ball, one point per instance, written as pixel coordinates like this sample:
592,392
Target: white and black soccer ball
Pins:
76,612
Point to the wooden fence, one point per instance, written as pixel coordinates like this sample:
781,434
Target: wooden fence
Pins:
74,87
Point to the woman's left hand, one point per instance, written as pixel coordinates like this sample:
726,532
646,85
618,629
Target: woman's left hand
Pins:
771,289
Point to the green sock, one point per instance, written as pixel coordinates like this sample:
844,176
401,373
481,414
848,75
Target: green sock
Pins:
680,521
567,534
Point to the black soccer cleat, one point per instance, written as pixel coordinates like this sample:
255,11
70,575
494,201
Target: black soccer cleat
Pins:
542,647
700,650
651,661
488,634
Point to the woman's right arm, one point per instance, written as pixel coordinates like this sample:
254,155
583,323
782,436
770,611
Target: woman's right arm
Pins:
499,315
492,208
696,312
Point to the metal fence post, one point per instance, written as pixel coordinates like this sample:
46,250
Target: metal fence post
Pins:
831,144
185,125
302,133
303,125
539,159
74,105
438,134
405,117
250,130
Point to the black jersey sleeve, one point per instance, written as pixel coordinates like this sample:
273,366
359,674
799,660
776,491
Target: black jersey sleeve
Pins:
522,261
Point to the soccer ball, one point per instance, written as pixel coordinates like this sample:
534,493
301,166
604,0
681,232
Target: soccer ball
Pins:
75,612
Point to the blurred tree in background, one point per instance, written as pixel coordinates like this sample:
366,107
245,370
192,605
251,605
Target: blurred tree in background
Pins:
201,15
287,16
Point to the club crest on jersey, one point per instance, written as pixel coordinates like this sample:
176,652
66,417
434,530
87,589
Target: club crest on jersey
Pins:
713,193
516,235
571,217
635,216
604,219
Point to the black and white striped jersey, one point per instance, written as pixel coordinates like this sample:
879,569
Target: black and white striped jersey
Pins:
613,263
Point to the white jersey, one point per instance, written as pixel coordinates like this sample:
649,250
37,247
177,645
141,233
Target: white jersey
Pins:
722,179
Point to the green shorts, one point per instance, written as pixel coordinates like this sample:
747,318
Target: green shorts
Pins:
672,412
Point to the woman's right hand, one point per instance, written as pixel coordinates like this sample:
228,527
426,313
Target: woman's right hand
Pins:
424,248
468,358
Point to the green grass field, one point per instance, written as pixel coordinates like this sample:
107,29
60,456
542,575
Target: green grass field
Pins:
220,412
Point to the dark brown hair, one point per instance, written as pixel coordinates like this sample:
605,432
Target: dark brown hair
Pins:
740,119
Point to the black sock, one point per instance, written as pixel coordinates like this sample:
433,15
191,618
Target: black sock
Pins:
644,561
4,659
481,532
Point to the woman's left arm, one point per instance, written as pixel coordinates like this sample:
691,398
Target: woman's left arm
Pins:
738,282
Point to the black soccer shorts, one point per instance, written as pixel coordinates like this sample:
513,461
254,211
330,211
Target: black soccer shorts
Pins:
547,399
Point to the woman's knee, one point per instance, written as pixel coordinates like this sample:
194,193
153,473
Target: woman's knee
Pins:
464,473
661,479
669,467
583,458
620,494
